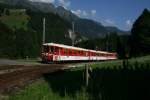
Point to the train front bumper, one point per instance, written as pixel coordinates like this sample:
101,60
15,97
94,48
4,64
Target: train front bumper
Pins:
46,57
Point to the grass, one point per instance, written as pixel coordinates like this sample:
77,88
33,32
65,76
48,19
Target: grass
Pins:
42,91
118,63
110,80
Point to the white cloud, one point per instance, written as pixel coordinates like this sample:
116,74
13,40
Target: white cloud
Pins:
64,3
129,23
83,13
109,22
77,12
46,1
93,12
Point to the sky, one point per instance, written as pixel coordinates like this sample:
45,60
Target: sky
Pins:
119,13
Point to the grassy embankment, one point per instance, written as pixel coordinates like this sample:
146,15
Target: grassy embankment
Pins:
111,80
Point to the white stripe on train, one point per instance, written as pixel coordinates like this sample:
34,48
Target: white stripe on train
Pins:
77,58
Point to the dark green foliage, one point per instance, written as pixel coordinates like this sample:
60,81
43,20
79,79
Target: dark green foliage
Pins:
141,35
26,44
6,41
111,42
18,44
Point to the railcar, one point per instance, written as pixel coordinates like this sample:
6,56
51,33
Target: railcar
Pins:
53,52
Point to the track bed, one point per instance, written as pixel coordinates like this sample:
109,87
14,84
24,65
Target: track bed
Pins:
12,77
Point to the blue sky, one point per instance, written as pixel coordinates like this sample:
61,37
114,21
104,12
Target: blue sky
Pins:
120,13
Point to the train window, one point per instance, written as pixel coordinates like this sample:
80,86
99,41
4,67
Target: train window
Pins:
74,52
97,54
86,53
56,50
46,49
92,54
70,52
51,49
65,51
62,51
82,53
79,52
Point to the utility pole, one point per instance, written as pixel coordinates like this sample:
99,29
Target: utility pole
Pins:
43,30
107,42
73,26
86,75
73,40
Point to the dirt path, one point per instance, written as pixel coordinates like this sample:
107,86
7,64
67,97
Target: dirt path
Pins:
18,78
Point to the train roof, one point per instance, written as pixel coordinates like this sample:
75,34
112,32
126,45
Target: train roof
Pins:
64,46
71,47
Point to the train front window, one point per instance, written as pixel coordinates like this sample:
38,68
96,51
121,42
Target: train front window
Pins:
46,49
51,49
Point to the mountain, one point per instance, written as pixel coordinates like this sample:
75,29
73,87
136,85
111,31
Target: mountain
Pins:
112,29
44,7
86,27
66,14
21,31
90,28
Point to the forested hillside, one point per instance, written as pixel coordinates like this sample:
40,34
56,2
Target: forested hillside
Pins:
21,31
140,37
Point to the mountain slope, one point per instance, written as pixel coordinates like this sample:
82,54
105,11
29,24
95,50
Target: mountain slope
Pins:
90,28
86,27
115,29
22,33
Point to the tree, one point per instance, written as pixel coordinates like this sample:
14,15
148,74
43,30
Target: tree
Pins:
120,49
140,37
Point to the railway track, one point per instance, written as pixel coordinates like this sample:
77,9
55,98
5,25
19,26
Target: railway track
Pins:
12,77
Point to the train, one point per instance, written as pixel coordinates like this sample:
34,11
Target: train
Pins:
53,52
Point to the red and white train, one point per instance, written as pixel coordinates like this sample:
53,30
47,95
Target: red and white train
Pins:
58,52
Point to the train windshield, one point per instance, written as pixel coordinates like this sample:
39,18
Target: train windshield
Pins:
46,49
51,49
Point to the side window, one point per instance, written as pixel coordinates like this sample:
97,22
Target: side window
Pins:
70,52
46,48
56,50
66,51
62,50
75,52
52,49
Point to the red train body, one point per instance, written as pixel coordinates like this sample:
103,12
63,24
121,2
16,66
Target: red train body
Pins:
57,52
